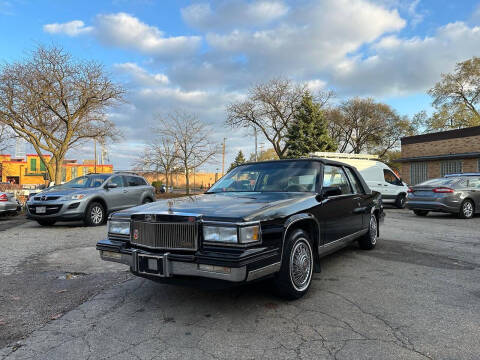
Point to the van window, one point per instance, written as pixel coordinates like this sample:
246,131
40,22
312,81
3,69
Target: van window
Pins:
390,177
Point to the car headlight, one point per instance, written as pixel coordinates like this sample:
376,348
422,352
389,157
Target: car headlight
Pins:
77,196
249,234
119,227
220,234
231,235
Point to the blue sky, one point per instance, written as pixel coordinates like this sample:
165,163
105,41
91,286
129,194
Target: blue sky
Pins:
199,56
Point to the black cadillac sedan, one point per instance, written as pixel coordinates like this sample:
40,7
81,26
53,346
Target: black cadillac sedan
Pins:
273,219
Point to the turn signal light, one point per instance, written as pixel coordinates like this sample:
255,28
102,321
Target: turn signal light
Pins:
3,197
443,190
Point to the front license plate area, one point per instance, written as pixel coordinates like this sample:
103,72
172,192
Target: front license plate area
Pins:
152,265
41,209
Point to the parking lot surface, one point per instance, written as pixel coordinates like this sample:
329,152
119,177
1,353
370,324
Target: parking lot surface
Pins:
416,296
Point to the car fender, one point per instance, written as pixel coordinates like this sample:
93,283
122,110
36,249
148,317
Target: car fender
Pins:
295,219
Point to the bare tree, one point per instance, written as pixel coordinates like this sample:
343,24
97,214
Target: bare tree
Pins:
269,107
55,103
364,125
192,140
6,137
160,155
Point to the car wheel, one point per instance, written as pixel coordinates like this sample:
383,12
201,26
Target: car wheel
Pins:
401,201
295,276
45,222
420,212
146,201
95,214
467,209
369,240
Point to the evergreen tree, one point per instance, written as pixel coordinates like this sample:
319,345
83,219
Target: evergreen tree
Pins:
308,133
239,160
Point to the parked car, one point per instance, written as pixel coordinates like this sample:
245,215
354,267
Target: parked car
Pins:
455,193
89,198
9,205
378,176
268,219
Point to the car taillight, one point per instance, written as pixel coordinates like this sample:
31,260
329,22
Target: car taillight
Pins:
443,190
410,190
3,197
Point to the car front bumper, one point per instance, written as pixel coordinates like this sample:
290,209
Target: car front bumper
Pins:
70,210
172,265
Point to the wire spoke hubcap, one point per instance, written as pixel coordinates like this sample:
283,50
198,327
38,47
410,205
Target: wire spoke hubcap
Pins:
301,265
373,230
96,215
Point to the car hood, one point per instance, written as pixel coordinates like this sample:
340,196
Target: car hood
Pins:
229,206
61,191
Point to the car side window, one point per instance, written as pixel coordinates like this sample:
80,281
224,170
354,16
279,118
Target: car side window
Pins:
474,182
335,176
390,177
131,180
357,186
117,180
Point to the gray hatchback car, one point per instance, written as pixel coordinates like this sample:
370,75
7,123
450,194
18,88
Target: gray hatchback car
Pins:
455,193
89,198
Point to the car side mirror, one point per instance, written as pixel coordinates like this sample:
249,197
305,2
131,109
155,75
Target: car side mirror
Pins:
329,191
111,186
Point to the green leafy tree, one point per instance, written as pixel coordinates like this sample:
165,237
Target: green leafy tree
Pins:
309,131
456,98
239,160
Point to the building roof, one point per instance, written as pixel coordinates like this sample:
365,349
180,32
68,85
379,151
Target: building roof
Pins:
470,155
443,135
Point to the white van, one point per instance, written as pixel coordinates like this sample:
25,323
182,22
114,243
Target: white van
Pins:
377,175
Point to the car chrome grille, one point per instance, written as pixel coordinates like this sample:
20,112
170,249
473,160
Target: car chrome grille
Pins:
165,236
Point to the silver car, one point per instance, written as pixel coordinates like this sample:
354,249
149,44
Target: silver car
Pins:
89,198
8,204
455,193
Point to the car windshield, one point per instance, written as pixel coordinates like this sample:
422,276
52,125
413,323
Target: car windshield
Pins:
281,176
89,181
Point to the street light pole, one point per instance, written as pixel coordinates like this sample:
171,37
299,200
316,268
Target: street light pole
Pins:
223,156
95,155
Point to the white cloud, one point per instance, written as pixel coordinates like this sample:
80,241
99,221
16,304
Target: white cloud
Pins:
232,14
403,66
126,31
71,28
140,74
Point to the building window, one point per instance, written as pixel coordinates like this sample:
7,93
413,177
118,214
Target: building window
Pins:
33,165
42,166
74,172
478,165
418,172
451,167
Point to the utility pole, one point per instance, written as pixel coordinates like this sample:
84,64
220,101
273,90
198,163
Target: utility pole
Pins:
223,156
95,154
255,133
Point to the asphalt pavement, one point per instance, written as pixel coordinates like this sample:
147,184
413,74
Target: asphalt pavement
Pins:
415,296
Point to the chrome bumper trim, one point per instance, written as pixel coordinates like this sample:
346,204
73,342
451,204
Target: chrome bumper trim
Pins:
264,271
180,268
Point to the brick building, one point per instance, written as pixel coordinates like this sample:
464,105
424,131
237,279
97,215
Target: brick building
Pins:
434,155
